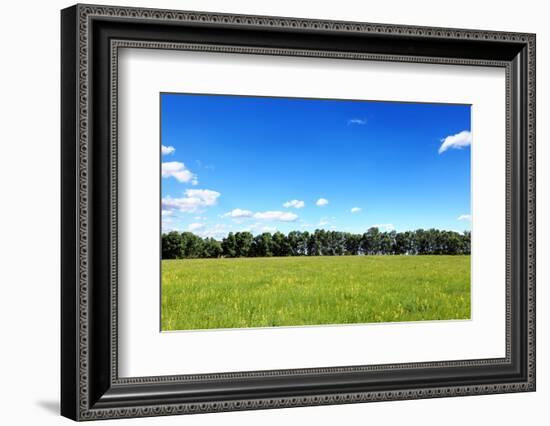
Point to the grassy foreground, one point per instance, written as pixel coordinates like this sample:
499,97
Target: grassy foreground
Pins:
290,291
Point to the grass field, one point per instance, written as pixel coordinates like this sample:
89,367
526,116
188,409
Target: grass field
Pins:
290,291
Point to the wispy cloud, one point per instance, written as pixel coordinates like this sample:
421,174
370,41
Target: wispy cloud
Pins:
297,204
169,227
267,215
321,202
259,228
179,172
220,230
217,231
201,165
458,141
271,229
384,226
357,121
169,221
194,200
195,226
355,209
276,215
238,213
166,150
467,217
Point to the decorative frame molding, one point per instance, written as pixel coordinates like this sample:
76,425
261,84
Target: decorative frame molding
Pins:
91,37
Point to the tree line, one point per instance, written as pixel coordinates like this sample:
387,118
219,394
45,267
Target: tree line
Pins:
186,245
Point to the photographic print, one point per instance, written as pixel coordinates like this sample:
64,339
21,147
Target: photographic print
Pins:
280,211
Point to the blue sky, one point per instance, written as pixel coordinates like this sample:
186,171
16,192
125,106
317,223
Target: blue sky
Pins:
233,163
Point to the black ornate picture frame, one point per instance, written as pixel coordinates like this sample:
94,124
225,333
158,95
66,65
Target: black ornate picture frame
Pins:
91,387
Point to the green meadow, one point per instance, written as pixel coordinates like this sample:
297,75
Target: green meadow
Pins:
295,291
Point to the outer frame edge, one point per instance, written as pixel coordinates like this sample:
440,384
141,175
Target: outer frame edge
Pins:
83,412
68,183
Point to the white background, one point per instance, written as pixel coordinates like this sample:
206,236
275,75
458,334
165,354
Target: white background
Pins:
140,343
29,225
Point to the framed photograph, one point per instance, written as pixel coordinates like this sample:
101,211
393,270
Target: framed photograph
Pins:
263,212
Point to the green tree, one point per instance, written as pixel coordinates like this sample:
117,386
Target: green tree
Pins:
262,245
352,244
387,242
293,240
243,244
280,246
191,245
466,242
337,243
322,240
172,245
403,243
211,248
313,245
319,243
229,245
370,241
422,239
303,243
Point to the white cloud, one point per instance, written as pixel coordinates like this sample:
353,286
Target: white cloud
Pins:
467,217
458,141
297,204
276,215
384,226
220,230
238,213
323,222
179,172
166,150
268,215
194,199
258,228
358,121
169,227
170,223
217,231
321,202
355,209
208,196
195,226
166,213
